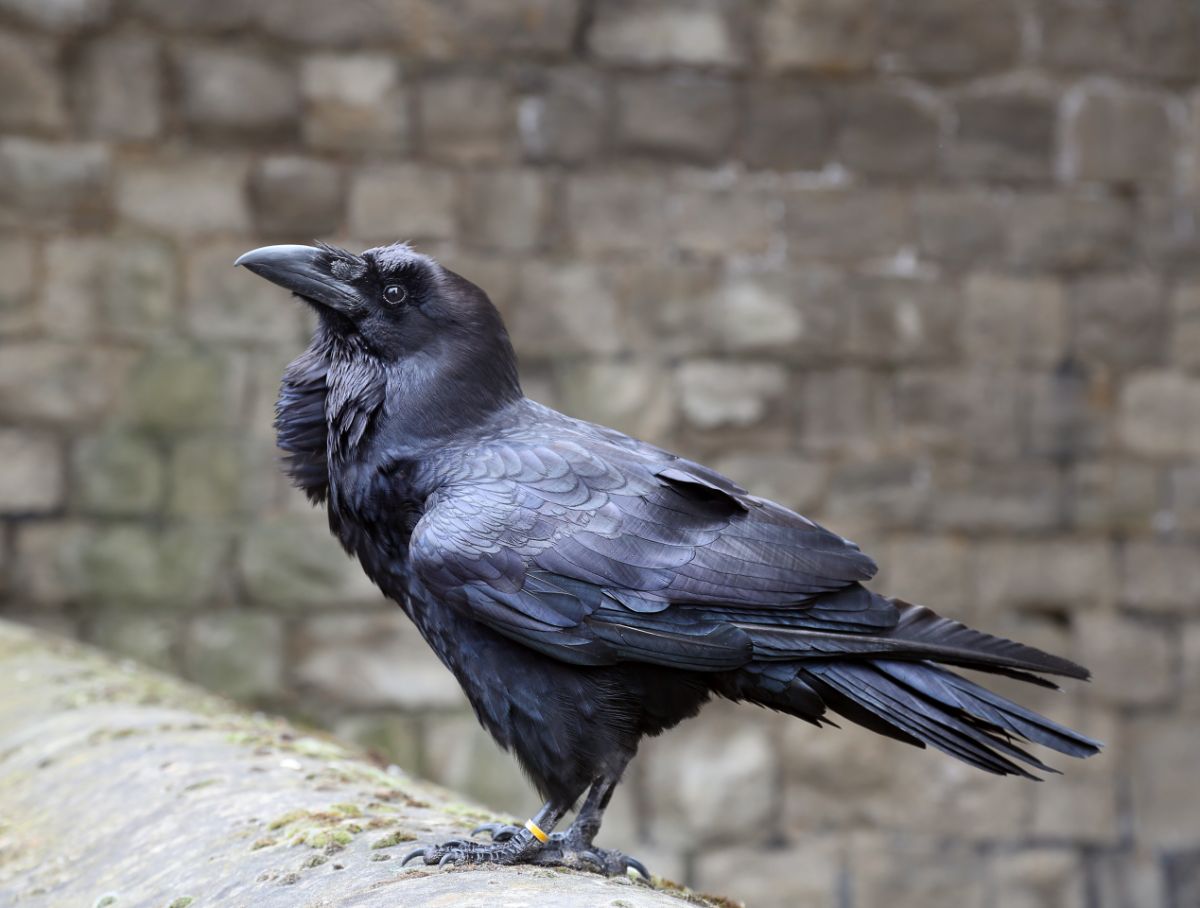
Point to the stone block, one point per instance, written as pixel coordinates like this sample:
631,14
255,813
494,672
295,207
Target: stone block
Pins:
354,102
887,492
222,305
234,90
631,396
484,30
936,570
565,116
916,872
199,194
1159,414
729,796
787,127
59,16
900,320
1081,37
1182,496
931,409
1054,232
1082,805
236,653
117,473
616,213
1041,878
292,561
118,88
391,201
709,216
842,410
197,15
943,38
752,310
346,25
1120,320
1005,133
33,95
1057,574
392,739
33,477
508,210
677,115
1070,412
372,659
52,184
1190,683
294,196
713,393
1130,879
1160,576
124,289
1165,798
18,309
1115,134
220,475
823,36
847,224
468,118
960,228
174,389
886,132
1168,231
793,481
808,872
151,638
1183,339
1120,494
1014,321
567,308
668,32
43,381
1108,644
1164,40
458,753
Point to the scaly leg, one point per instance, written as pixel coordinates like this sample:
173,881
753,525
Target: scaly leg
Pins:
523,846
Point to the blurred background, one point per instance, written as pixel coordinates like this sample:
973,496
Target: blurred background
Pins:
927,271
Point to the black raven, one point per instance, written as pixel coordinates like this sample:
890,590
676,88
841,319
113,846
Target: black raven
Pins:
585,588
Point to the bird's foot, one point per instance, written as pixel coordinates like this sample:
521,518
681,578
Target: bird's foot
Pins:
607,861
518,848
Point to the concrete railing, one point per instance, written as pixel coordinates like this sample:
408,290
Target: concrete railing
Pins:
121,787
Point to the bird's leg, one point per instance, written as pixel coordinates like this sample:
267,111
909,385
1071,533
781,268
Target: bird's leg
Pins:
521,846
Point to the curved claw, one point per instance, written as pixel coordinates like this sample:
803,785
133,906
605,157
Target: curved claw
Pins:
592,858
447,858
638,866
415,853
500,832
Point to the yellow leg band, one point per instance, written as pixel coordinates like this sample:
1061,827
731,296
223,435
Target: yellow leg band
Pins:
537,831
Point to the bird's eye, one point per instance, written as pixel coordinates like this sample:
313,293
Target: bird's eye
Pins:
394,294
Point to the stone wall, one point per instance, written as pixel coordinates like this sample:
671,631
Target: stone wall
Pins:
929,271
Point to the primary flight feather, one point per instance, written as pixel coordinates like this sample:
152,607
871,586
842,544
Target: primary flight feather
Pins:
585,588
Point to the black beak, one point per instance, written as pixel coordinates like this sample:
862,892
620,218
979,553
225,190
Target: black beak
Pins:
304,270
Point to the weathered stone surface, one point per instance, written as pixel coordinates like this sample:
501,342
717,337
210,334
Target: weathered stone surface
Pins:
960,228
481,29
788,127
1166,808
213,476
52,184
296,196
928,569
1190,682
1158,414
949,37
668,32
354,102
842,410
394,738
226,89
1045,878
220,307
714,393
1069,232
197,195
901,321
117,473
179,388
1184,336
353,658
1083,804
1107,644
18,259
59,15
33,96
42,381
839,224
684,115
709,216
806,873
291,562
1062,574
468,118
886,132
458,751
1114,134
32,479
1120,321
610,213
832,36
149,638
793,481
1159,576
507,210
236,653
633,397
565,116
904,873
198,15
1014,321
567,307
402,200
1005,133
118,88
1069,411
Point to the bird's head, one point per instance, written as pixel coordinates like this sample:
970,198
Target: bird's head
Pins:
391,301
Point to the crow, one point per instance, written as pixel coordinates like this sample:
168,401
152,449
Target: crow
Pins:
588,589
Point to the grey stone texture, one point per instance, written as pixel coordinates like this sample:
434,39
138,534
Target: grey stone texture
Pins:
927,271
